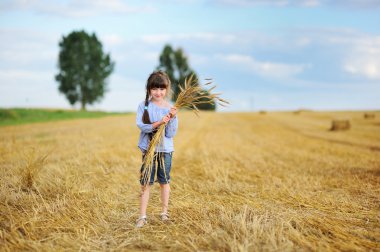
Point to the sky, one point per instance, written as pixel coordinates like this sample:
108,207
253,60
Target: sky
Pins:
262,54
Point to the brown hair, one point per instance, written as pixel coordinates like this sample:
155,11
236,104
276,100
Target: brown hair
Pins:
158,79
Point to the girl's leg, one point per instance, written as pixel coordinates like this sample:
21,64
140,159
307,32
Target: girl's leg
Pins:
145,190
165,190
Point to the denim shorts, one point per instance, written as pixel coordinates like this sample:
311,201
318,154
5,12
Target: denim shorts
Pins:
162,165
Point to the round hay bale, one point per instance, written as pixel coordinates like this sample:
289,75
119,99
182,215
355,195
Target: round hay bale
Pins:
340,125
369,116
262,112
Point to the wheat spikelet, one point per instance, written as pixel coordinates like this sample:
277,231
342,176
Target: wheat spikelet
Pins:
191,95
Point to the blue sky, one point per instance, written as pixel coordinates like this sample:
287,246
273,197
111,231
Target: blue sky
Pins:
272,54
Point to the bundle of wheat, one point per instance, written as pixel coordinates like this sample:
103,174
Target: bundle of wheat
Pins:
191,95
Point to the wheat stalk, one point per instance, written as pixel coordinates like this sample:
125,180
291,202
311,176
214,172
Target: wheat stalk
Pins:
35,163
191,95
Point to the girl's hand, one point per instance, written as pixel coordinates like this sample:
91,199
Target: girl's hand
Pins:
165,119
173,111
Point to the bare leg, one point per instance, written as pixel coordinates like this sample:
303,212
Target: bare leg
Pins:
165,190
144,199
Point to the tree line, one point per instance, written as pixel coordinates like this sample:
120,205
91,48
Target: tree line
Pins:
84,69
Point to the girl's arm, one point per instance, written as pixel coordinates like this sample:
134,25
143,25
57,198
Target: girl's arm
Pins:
165,119
144,127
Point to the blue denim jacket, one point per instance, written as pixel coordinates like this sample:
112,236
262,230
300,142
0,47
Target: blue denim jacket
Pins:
155,114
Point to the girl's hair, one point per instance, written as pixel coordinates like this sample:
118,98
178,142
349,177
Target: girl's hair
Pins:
158,79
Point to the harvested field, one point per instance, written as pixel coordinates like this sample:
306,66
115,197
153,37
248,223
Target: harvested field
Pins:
240,182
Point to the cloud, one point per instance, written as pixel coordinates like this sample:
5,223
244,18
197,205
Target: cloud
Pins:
359,52
29,88
28,63
297,59
353,4
124,94
209,37
364,59
11,77
342,50
74,8
263,68
276,3
112,39
28,49
39,89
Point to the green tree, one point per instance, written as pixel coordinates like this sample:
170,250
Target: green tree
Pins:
175,64
83,68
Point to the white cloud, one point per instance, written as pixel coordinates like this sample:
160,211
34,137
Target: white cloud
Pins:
363,64
272,70
39,89
359,53
364,58
276,3
208,37
124,94
23,48
156,38
311,3
303,41
74,8
264,55
13,77
28,63
199,59
354,4
28,88
112,40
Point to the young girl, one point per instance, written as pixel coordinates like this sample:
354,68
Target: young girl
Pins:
151,113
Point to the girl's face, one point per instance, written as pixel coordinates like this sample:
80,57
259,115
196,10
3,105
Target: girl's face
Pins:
158,94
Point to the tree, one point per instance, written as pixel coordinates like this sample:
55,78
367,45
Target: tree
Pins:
83,68
175,64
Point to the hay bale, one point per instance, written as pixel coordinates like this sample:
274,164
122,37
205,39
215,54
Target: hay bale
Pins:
262,112
340,125
369,116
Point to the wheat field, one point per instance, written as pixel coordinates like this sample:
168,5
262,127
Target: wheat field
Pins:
278,181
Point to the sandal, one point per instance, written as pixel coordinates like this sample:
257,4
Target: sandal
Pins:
140,222
164,216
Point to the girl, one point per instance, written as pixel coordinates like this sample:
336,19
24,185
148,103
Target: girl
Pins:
151,113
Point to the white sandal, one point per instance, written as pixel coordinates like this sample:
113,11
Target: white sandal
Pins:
164,216
140,222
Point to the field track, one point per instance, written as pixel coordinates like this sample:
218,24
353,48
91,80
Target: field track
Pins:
240,182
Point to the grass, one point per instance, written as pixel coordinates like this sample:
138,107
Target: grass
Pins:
16,116
240,182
